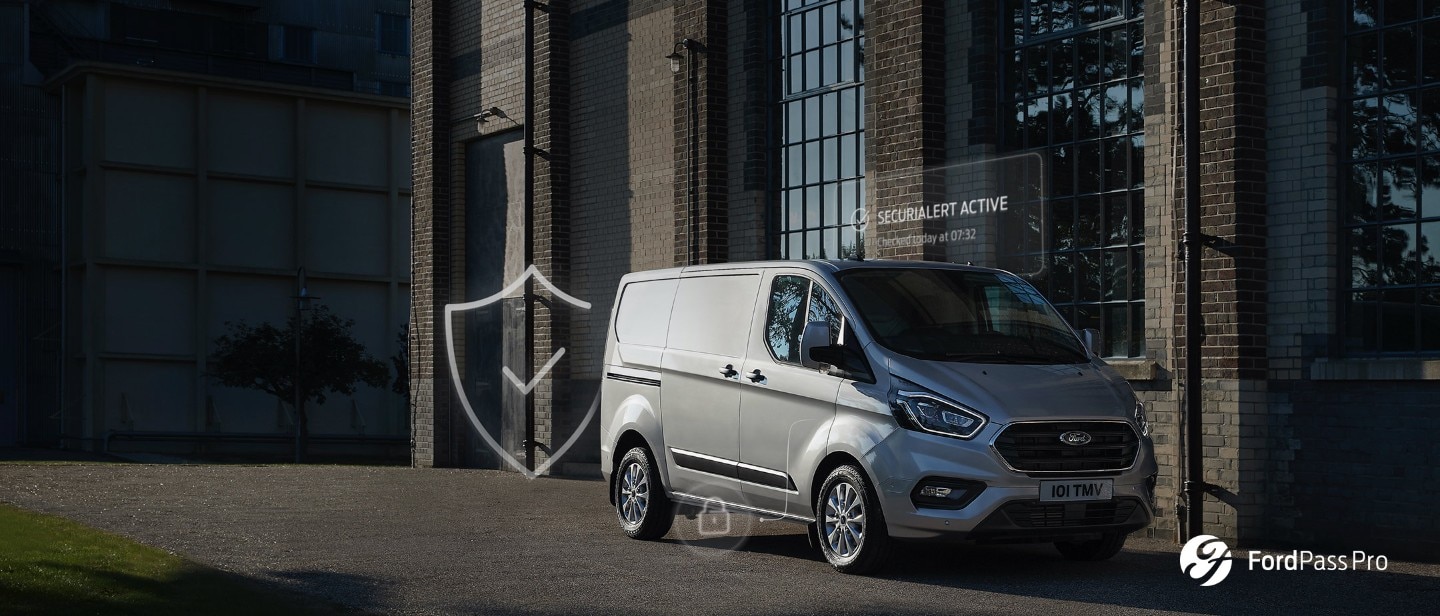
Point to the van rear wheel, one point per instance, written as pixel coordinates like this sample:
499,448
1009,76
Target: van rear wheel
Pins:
1103,548
850,527
643,509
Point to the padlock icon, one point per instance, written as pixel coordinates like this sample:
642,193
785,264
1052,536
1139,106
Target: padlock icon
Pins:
714,519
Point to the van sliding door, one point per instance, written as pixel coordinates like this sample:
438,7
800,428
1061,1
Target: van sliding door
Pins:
700,383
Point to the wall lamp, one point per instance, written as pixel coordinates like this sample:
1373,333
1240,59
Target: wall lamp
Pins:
690,45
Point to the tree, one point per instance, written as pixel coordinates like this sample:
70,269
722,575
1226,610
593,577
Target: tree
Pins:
262,357
401,361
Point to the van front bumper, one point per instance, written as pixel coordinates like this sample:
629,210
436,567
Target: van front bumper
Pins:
1007,508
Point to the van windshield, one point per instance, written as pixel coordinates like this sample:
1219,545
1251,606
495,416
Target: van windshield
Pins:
962,316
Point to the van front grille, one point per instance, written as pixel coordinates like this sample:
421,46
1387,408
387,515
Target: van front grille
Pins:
1035,447
1033,514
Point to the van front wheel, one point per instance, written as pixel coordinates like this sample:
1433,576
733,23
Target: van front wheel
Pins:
849,525
640,502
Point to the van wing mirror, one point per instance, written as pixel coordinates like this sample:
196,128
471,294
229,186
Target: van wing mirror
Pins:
815,337
1091,338
833,354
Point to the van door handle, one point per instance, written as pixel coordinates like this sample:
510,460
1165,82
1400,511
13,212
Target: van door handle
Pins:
729,371
756,377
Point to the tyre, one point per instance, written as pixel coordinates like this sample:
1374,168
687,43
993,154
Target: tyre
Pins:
641,506
850,527
1106,546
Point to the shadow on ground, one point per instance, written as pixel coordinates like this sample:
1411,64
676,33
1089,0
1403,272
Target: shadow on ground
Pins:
1144,580
196,588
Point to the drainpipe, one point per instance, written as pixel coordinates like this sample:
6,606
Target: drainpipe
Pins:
1194,486
529,150
691,47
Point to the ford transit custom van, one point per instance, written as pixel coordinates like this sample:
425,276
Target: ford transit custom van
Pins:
875,401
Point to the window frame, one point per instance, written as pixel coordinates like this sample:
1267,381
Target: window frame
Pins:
808,217
1112,260
1370,340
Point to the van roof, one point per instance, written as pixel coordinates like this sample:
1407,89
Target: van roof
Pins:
817,265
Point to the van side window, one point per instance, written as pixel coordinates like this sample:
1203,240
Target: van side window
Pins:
823,308
786,317
795,301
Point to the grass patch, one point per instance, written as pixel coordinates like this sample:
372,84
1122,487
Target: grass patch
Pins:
50,565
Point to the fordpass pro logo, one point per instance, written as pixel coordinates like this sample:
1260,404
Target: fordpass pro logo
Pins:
1205,558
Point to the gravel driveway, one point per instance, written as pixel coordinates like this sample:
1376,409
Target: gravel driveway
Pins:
402,540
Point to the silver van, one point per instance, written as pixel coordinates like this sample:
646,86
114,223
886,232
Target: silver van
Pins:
875,401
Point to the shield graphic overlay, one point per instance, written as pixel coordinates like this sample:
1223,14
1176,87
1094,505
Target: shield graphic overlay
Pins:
508,376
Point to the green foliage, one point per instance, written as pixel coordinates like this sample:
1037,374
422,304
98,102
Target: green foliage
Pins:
263,357
50,565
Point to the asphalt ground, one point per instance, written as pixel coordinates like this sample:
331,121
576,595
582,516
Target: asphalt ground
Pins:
408,541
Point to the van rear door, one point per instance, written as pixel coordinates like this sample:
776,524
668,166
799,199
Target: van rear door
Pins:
700,383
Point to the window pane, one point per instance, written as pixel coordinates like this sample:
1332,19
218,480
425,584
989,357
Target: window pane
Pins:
1088,165
1062,64
1397,255
1062,278
812,207
1397,321
1398,63
1116,275
830,113
1087,222
1429,252
1429,308
848,157
1364,124
824,308
1117,219
1430,51
1399,11
831,156
831,205
1362,194
784,323
1364,54
1398,190
847,110
1062,224
1137,275
1430,188
1364,14
1113,153
1401,113
1116,339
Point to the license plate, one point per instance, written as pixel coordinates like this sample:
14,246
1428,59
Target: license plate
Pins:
1059,490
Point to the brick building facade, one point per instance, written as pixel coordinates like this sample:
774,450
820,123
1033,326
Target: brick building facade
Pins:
764,135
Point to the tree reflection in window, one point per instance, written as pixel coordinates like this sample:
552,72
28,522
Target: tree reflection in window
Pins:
1073,75
795,301
1391,171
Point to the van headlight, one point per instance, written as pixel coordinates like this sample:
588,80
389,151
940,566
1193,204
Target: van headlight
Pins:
1140,419
926,412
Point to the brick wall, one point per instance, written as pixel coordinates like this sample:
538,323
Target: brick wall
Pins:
701,155
750,104
430,230
1233,288
904,116
554,419
624,172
